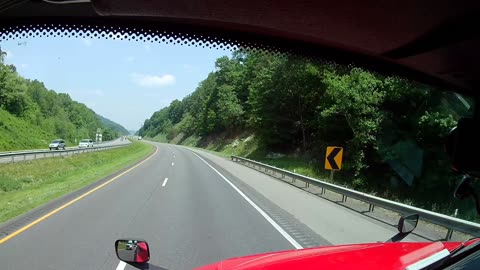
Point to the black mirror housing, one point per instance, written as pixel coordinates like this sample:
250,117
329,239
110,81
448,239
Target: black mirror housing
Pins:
408,223
463,143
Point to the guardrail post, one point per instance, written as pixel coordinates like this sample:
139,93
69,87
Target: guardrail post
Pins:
35,156
307,184
24,157
371,207
13,159
283,175
449,234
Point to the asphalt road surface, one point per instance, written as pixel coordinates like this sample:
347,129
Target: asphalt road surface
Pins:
193,209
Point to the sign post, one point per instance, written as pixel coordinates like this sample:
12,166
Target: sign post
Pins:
333,159
98,135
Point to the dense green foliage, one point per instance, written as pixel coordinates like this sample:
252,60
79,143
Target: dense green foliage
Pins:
392,129
31,115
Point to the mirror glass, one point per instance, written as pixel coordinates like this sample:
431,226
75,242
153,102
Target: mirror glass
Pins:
135,251
408,223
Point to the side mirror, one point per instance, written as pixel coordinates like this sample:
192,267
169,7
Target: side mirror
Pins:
465,189
132,251
407,224
462,143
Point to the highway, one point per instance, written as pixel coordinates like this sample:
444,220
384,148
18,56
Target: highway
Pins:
193,208
30,154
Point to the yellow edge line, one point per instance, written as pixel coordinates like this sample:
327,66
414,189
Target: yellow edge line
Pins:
53,212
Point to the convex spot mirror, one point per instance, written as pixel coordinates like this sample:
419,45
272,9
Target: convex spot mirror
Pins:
407,224
132,250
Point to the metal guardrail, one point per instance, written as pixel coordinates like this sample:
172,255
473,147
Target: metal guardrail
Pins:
13,156
45,149
452,224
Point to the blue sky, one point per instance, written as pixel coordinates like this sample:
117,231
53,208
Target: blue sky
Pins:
125,81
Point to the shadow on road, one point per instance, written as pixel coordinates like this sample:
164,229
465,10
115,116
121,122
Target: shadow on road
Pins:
146,266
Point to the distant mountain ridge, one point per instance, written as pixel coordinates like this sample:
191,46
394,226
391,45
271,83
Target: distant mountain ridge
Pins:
113,125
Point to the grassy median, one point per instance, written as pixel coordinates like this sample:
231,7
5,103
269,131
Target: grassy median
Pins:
26,185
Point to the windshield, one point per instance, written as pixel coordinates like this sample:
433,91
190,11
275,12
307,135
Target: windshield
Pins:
209,153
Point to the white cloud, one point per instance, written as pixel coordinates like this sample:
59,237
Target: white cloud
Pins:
130,59
87,42
146,80
24,65
147,47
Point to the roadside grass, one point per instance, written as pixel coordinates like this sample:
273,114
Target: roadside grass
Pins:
159,138
18,134
249,147
26,185
295,165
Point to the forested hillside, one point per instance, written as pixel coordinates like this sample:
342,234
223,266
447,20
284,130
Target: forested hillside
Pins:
392,129
113,126
32,115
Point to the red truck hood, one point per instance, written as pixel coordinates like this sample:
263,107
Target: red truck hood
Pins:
358,256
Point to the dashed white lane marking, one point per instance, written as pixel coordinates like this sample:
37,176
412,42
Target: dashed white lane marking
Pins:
173,163
164,182
121,265
265,215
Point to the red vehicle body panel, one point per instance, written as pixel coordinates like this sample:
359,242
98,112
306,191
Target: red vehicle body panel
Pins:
359,256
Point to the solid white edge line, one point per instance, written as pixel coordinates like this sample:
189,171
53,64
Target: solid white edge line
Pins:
259,210
121,265
165,182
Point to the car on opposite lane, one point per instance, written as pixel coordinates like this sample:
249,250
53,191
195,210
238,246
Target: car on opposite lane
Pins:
85,143
57,144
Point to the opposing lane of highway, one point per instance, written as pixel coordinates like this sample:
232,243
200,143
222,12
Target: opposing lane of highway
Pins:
32,154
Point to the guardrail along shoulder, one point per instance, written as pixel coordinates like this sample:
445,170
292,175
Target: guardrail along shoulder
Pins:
451,223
